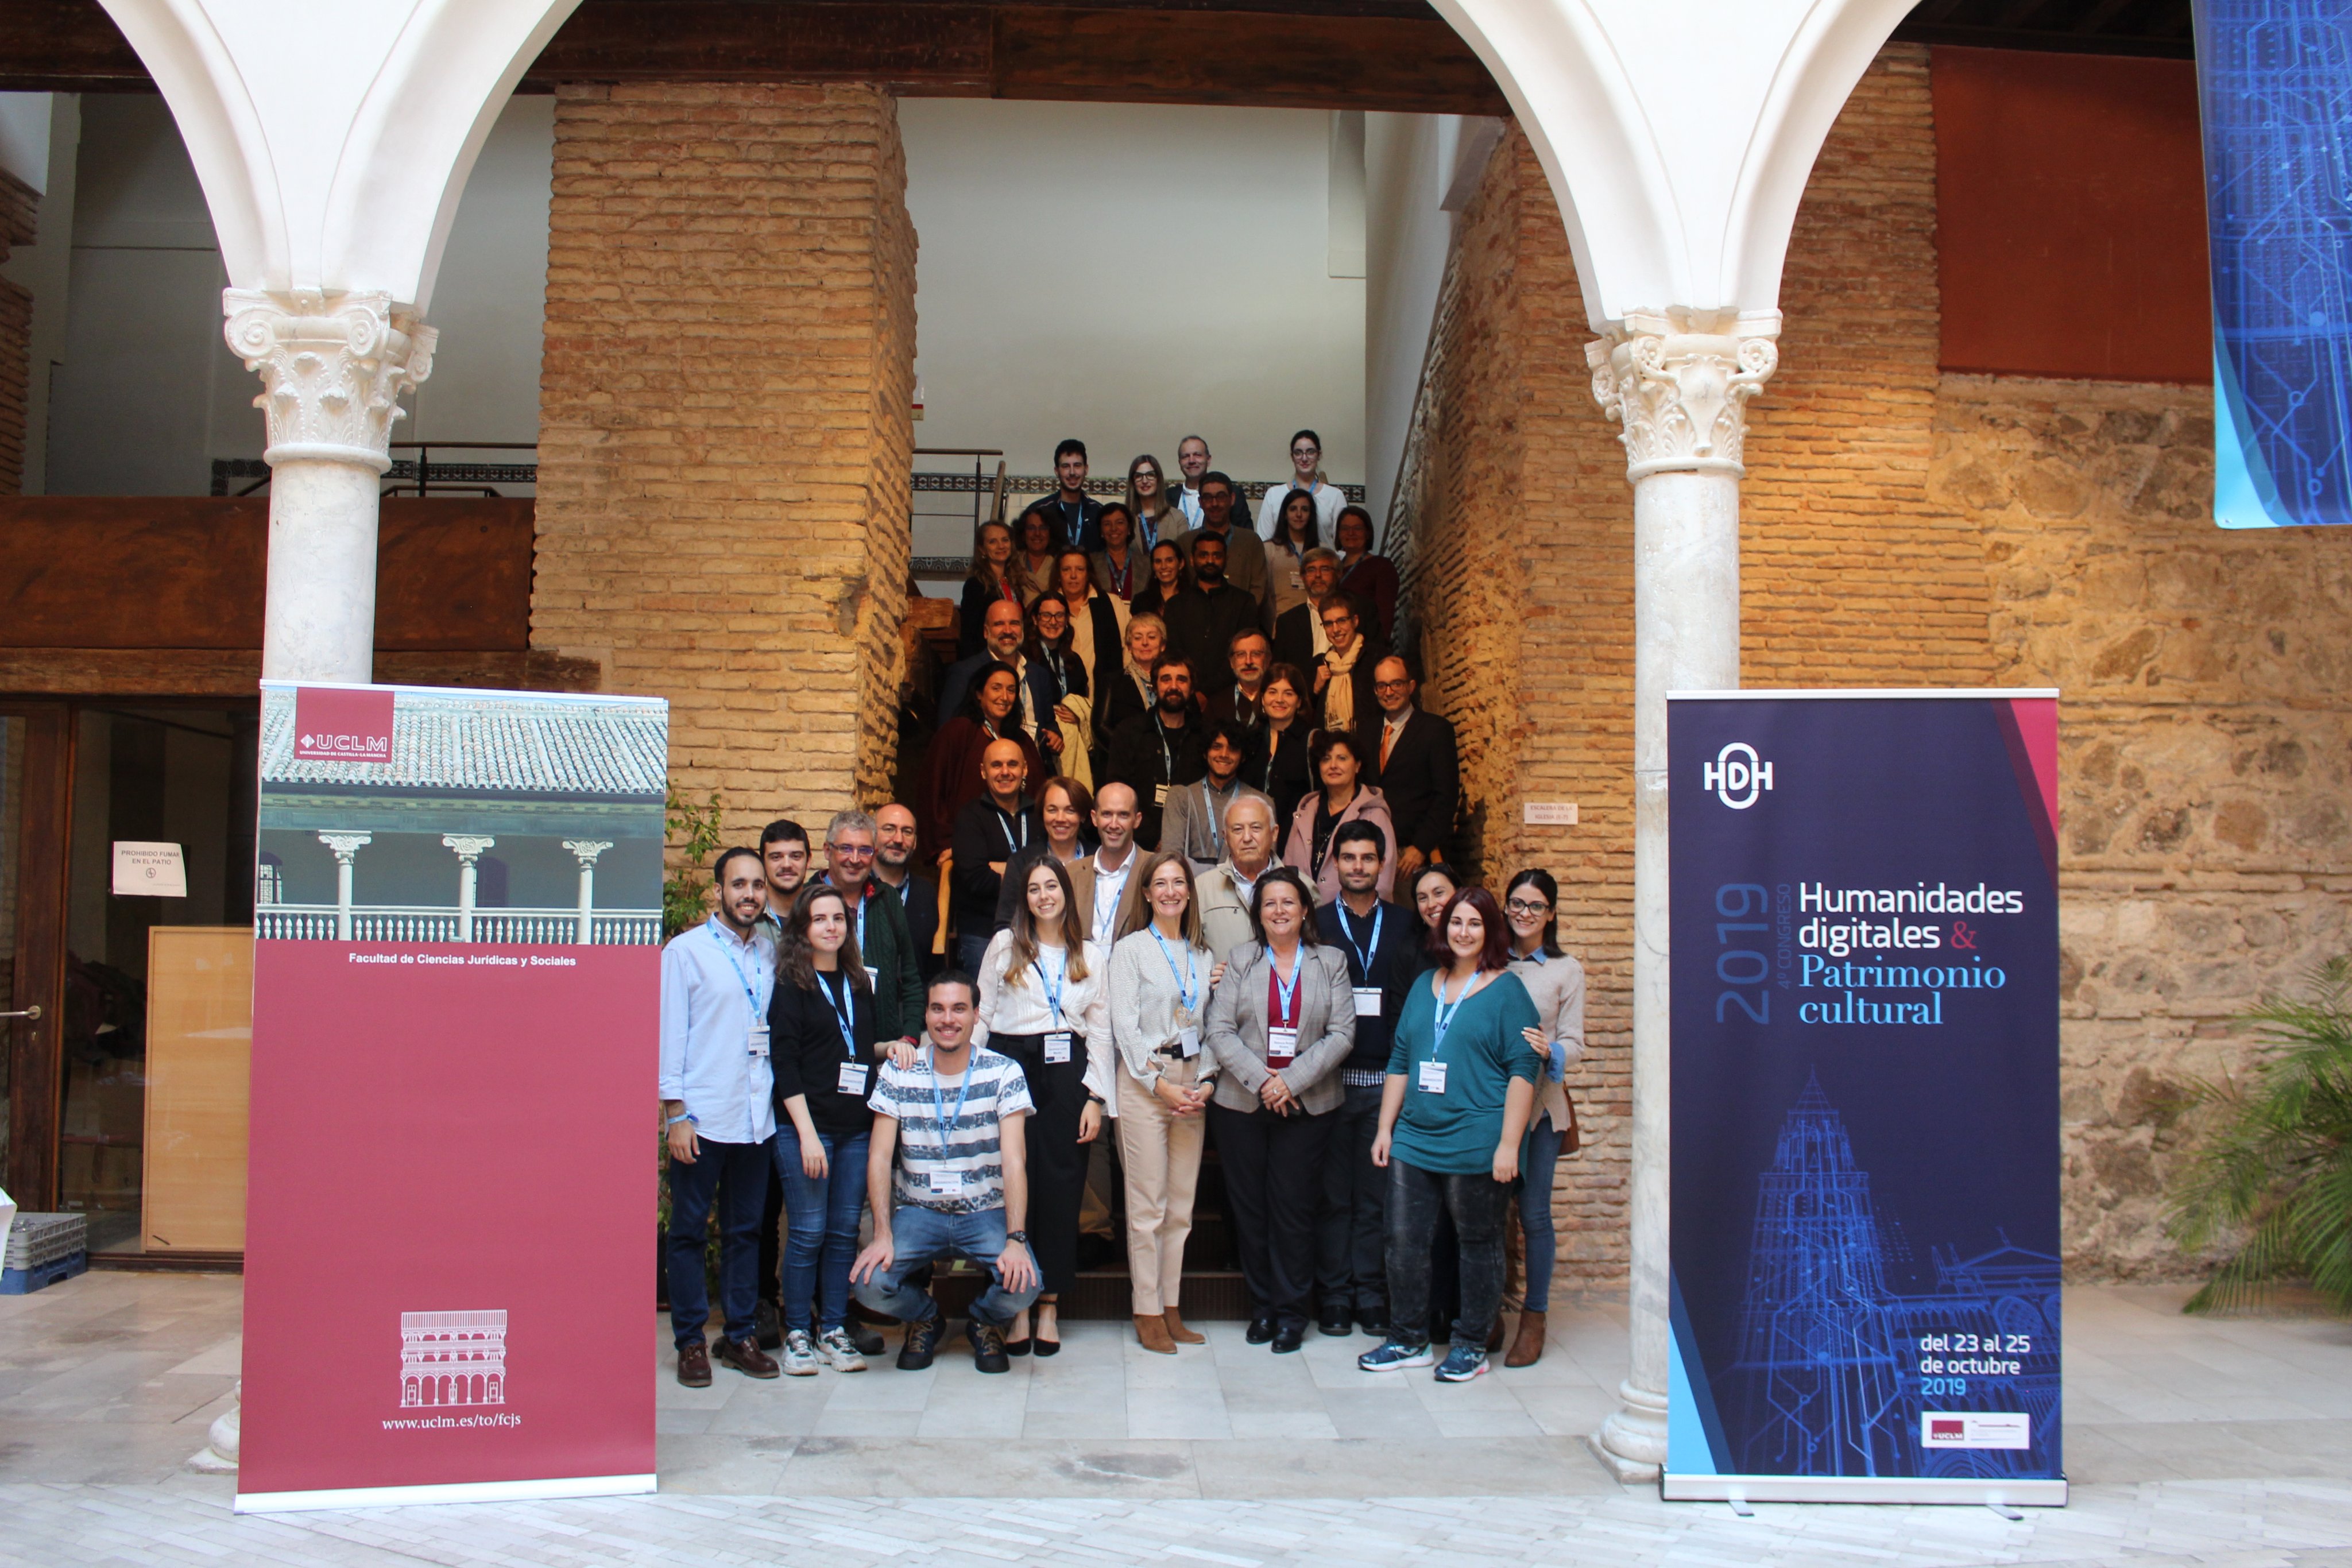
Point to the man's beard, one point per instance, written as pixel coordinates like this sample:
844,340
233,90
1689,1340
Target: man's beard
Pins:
1179,705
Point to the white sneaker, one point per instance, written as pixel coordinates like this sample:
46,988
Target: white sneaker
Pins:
799,1356
834,1347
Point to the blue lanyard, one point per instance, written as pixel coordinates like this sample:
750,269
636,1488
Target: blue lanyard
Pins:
861,923
1364,956
940,1100
1006,820
844,1012
1187,983
1053,984
1287,991
759,1007
1444,1016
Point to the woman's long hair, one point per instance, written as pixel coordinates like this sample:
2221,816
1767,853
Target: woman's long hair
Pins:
1412,895
1495,952
981,566
1134,501
1024,927
1034,643
1288,877
796,959
1313,523
1141,915
1009,726
1541,881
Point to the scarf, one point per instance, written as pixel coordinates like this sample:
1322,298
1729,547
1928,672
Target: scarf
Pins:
1340,695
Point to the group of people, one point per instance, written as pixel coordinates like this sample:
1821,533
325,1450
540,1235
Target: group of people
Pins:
1205,943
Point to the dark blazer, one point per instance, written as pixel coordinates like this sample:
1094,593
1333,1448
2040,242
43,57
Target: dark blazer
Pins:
981,837
1138,760
1396,959
1422,780
1372,582
1368,706
1282,771
920,901
1200,626
971,617
1293,639
1042,692
1099,621
806,1051
1118,701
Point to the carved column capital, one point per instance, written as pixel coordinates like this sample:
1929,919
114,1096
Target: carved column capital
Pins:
1679,381
346,846
469,846
332,367
587,850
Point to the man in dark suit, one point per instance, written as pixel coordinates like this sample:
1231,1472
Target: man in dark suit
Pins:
1297,634
1001,635
1411,760
895,836
1202,618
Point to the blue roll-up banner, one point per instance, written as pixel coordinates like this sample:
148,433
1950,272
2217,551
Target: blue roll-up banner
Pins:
2274,91
1865,1290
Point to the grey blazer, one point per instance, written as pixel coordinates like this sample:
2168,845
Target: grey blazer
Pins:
1327,1029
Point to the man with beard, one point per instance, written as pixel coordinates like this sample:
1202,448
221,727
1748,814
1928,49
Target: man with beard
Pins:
1245,566
1156,753
1203,619
895,837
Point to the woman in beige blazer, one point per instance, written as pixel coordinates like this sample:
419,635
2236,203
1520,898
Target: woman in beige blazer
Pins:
1281,1021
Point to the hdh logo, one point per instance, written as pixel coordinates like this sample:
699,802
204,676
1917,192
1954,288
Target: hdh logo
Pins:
1738,775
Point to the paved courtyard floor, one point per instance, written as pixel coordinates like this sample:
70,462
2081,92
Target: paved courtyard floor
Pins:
2188,1441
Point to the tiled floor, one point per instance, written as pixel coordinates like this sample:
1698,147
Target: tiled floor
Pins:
2188,1441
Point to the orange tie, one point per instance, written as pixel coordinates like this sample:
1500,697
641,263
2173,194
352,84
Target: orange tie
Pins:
1388,743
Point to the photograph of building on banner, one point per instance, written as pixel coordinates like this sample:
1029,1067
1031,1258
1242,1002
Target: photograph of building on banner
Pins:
1865,1294
488,821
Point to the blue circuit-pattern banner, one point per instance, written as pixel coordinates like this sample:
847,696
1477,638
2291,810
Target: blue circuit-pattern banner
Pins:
2274,85
1864,1285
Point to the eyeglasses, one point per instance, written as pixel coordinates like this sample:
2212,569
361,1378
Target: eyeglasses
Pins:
1390,685
851,852
1521,906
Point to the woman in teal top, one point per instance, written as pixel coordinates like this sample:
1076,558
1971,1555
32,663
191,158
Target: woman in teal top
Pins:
1460,1087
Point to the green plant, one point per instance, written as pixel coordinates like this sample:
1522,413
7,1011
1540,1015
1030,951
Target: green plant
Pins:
2275,1165
694,832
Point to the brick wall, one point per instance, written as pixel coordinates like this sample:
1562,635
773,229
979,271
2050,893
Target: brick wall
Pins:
725,429
1900,528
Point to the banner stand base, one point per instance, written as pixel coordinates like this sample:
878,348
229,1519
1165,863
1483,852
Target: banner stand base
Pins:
1961,1491
458,1492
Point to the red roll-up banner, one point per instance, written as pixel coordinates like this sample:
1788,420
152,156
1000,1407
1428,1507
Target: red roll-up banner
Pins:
456,993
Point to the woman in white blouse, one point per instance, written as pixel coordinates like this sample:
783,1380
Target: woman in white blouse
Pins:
1045,1001
1161,972
1555,982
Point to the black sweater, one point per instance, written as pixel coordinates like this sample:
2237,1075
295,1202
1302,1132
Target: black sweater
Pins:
806,1051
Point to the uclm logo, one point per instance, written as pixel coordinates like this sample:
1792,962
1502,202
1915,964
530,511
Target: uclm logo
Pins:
1738,775
342,725
1946,1431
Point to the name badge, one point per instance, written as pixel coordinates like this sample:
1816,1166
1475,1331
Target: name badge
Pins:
1432,1078
873,978
1281,1046
760,1038
947,1184
1057,1047
1159,794
853,1079
1188,1041
1368,1001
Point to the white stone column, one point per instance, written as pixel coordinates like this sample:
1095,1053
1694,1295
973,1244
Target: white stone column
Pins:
1679,381
332,367
469,848
347,848
587,850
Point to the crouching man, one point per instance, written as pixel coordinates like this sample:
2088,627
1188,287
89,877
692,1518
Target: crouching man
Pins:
945,1177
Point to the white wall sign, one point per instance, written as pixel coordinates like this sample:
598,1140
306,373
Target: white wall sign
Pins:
149,871
1551,814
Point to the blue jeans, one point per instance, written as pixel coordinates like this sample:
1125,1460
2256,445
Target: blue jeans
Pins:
733,1178
1538,1155
821,1217
920,1236
971,951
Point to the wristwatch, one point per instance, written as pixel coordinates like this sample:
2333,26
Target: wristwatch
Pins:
1020,1236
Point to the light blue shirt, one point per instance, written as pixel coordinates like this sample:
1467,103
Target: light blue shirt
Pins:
713,987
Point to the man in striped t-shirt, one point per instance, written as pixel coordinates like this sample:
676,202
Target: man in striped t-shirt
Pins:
945,1174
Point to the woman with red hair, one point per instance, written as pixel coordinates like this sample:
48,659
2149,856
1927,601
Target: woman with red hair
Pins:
1461,1085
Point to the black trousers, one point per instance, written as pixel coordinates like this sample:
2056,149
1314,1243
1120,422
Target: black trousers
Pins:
1352,1234
1476,1204
1057,1161
1274,1186
771,1239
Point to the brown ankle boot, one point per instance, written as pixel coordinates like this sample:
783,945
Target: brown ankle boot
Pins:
1151,1333
1528,1348
1178,1332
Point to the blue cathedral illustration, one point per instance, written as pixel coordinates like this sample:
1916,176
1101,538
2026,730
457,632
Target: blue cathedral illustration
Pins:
1829,1351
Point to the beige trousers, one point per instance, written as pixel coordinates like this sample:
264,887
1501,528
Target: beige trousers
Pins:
1161,1152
